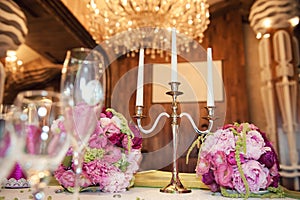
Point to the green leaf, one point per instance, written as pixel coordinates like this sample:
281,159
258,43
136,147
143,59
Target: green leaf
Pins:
67,162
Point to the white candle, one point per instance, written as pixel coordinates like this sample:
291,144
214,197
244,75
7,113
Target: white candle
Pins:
210,87
140,80
174,57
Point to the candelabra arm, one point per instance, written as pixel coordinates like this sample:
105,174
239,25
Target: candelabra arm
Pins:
153,126
210,125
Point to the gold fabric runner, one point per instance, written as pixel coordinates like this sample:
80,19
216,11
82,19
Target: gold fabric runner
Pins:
155,178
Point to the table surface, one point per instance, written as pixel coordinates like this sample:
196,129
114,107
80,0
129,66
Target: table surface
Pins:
135,193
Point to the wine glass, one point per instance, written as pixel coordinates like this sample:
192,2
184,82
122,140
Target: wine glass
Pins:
43,145
8,136
82,89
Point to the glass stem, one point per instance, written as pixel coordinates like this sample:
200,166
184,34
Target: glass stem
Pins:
78,160
38,194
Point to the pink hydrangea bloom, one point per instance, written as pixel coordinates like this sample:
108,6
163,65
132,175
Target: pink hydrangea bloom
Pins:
98,170
115,182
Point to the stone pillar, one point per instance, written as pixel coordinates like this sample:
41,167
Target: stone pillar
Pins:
273,22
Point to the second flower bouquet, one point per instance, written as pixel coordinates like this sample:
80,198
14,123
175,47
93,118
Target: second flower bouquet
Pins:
111,159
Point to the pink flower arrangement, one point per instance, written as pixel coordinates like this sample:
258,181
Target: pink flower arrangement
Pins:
239,161
111,158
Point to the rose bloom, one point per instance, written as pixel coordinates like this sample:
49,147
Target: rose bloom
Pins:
98,139
112,154
105,114
219,158
65,177
137,140
257,176
114,134
275,176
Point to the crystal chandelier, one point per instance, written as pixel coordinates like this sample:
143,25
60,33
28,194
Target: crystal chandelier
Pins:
123,20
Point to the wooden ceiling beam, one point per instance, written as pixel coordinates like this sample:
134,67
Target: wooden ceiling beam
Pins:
53,29
242,6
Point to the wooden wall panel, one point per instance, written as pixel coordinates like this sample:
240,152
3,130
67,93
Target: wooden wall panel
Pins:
225,36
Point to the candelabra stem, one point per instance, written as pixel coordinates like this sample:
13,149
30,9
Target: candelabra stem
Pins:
175,185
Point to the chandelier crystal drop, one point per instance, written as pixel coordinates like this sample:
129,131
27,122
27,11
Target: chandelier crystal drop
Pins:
110,18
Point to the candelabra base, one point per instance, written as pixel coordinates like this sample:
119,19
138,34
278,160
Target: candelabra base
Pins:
175,186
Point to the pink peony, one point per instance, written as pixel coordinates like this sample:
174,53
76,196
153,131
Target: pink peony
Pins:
219,158
208,178
204,164
209,142
268,159
254,145
225,140
257,176
223,175
218,164
231,158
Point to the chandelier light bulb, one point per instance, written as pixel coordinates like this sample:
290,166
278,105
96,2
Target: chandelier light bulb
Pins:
189,17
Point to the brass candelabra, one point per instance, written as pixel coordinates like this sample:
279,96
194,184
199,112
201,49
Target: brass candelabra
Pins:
175,185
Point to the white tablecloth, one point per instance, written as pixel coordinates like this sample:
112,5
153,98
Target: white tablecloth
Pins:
136,193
